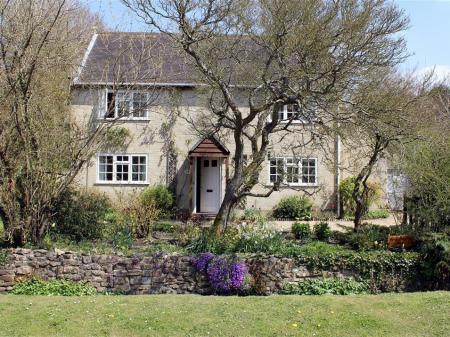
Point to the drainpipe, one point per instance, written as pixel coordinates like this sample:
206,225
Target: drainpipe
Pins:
338,175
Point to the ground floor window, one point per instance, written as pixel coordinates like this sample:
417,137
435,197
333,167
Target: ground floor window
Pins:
123,168
293,170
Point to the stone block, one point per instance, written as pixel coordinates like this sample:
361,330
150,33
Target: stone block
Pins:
24,270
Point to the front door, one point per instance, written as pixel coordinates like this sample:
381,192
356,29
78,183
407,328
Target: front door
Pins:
210,185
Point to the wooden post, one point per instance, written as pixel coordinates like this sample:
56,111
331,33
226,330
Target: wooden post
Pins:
227,170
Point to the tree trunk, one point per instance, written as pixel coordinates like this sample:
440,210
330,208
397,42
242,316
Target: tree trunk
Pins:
221,220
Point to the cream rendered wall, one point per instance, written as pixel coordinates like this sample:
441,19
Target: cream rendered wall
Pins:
150,137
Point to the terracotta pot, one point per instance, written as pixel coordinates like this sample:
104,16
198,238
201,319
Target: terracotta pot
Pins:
401,241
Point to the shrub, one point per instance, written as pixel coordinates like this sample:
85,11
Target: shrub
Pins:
301,231
35,286
140,218
160,197
322,231
368,237
333,286
225,274
295,207
80,214
377,214
346,188
435,262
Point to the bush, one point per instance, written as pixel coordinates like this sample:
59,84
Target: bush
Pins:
295,207
322,231
35,286
301,231
346,188
160,197
80,215
377,214
435,262
370,236
322,286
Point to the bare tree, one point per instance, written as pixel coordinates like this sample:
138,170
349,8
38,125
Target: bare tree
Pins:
269,53
42,145
381,119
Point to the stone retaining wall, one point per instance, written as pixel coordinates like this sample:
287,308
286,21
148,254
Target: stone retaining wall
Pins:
155,274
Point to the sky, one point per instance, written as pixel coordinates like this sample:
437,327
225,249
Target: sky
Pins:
428,36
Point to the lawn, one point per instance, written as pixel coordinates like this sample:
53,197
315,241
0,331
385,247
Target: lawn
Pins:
413,314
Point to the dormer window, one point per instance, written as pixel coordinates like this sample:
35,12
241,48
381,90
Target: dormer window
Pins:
127,105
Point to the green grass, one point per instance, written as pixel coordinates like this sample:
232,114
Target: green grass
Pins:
413,314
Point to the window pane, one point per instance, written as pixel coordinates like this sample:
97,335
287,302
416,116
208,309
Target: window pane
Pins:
206,163
110,105
105,168
213,163
123,104
138,168
140,104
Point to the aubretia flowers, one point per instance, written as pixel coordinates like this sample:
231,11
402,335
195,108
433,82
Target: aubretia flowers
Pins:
225,275
200,262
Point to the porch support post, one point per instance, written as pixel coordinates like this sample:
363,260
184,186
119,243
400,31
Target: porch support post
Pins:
227,170
191,183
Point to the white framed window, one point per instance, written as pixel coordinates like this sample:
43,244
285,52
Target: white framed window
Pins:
122,168
293,171
292,112
127,105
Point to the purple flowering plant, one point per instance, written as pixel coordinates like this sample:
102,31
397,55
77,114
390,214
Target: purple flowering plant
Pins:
225,275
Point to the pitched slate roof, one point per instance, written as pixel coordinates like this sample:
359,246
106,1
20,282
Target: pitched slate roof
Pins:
135,58
153,58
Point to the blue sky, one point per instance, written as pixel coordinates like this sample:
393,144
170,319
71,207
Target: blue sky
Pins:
428,37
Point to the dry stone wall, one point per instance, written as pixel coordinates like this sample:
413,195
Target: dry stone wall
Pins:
155,274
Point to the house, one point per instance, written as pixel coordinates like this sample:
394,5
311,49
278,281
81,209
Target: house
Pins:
146,79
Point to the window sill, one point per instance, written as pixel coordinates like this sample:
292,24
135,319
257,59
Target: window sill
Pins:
115,183
285,186
124,120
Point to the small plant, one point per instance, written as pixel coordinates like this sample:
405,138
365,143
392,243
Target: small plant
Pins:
295,207
35,286
377,214
322,231
160,197
165,227
254,215
322,286
301,231
3,257
225,275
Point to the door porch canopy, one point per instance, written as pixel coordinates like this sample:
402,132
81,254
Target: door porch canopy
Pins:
209,146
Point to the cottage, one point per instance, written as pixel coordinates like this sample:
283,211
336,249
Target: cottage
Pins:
141,82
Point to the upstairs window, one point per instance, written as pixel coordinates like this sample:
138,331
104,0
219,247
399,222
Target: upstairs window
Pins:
293,171
124,104
122,169
292,112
